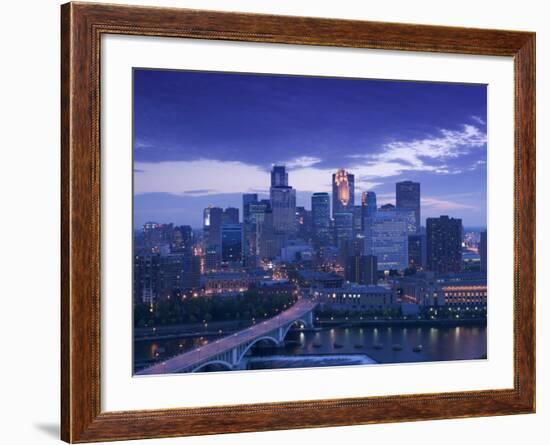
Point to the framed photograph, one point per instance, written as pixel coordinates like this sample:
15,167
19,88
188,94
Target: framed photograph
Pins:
274,222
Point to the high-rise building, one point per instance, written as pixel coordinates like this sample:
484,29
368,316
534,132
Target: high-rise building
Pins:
444,244
362,269
343,192
212,226
146,278
417,251
191,272
283,202
368,203
320,218
482,249
386,238
253,220
279,176
407,196
407,214
231,243
230,216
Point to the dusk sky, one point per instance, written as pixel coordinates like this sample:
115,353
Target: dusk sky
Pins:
205,138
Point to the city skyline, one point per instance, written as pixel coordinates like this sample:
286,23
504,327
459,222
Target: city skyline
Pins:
445,151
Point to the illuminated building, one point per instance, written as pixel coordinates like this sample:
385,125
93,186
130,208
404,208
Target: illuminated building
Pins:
182,240
303,223
320,218
146,278
356,297
226,283
212,226
343,192
386,238
444,244
407,196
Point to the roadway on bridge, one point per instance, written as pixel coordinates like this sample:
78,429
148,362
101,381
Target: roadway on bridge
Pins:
211,350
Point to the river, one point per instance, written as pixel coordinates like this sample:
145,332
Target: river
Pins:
345,346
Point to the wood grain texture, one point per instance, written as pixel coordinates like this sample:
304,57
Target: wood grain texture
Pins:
82,27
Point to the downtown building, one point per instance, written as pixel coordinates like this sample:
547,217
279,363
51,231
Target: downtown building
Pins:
444,244
283,204
386,238
320,219
407,197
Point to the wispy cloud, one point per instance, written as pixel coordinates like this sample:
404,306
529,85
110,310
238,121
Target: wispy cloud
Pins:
427,154
302,162
438,205
478,119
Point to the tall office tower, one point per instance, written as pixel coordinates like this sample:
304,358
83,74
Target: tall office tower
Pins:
362,269
253,219
407,196
269,245
230,216
357,219
247,199
182,240
343,192
444,244
482,249
320,218
417,251
279,176
368,203
232,243
386,238
212,226
283,202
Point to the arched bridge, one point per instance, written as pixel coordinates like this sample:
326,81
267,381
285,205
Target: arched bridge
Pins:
229,351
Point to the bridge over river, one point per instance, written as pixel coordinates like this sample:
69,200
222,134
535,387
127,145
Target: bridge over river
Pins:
229,351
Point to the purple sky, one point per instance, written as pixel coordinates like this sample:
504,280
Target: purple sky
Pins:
205,138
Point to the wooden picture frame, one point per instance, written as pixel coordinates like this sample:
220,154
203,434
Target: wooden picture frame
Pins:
82,26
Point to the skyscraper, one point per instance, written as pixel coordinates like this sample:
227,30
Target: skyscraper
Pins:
231,243
279,176
283,202
386,238
444,244
407,196
212,226
343,229
320,218
482,249
343,192
368,203
417,251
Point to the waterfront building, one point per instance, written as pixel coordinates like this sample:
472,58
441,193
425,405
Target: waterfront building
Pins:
362,269
386,237
283,202
320,218
482,250
444,244
343,192
225,283
231,243
355,297
407,196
